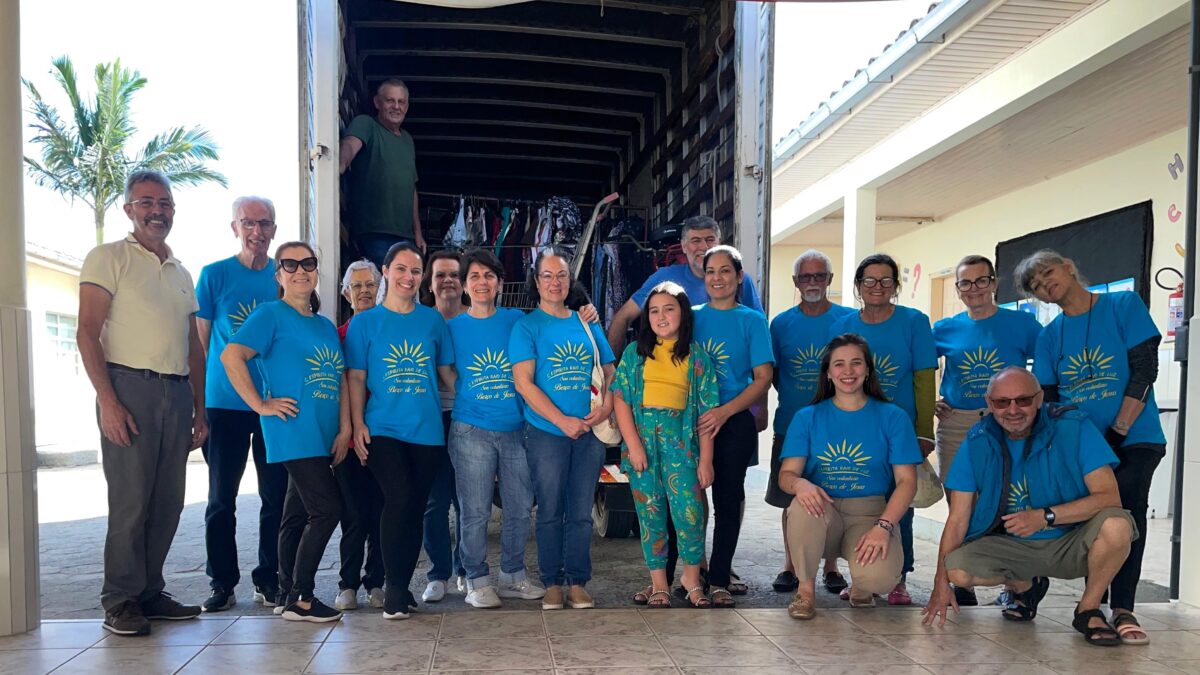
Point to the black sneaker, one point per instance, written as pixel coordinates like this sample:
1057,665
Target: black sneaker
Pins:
163,606
965,597
219,601
265,596
126,619
318,612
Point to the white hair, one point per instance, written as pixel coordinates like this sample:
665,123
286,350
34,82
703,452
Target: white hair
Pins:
811,254
357,265
252,199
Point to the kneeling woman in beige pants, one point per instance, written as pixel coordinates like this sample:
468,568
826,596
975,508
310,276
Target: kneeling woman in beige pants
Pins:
850,460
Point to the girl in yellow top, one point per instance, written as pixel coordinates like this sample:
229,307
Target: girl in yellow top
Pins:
663,384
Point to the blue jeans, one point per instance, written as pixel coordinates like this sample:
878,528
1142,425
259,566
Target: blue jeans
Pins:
564,473
374,245
435,539
480,456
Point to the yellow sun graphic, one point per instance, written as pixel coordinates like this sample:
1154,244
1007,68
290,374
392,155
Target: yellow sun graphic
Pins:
410,355
494,363
716,352
807,360
980,363
569,353
844,457
239,316
326,358
884,366
1088,364
1018,496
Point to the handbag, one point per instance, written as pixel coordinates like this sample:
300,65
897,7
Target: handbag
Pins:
929,487
605,429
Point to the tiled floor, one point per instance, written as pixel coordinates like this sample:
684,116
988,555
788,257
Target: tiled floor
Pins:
881,641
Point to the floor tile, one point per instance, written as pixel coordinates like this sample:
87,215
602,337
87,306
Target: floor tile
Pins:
1065,615
1191,667
628,652
56,635
374,628
838,649
988,621
897,622
1061,647
1173,615
260,659
274,630
777,622
647,670
953,649
990,669
1178,645
696,622
733,670
147,660
867,669
512,653
174,633
595,622
492,624
726,650
1099,666
373,657
34,661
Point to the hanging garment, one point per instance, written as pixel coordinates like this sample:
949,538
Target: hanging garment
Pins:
456,236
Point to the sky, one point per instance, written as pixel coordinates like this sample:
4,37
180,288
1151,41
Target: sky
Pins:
230,66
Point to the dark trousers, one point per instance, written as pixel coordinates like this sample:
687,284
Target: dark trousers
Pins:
362,507
231,432
374,245
732,448
1134,473
311,511
404,472
145,485
445,558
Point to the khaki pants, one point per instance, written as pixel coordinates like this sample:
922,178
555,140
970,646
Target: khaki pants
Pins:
950,434
835,534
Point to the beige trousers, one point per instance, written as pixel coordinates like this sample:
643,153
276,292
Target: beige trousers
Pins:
950,434
835,534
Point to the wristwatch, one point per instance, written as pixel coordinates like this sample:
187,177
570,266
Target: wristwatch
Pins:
1048,514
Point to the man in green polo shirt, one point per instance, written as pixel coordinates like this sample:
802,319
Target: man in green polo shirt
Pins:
382,179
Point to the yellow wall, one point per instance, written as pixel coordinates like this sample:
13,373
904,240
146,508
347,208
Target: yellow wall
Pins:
783,291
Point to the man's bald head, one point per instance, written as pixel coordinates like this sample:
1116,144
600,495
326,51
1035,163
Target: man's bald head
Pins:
1014,397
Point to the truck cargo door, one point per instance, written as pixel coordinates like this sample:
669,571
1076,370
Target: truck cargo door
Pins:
754,42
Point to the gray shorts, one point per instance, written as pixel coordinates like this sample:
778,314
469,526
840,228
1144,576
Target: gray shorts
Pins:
1001,556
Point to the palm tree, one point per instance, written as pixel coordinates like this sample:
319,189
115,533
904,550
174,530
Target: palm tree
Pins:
85,157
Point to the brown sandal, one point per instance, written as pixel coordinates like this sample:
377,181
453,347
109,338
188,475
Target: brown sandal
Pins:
802,608
659,599
722,598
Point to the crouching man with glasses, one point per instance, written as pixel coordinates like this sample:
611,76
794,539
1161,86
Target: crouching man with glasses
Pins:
1032,495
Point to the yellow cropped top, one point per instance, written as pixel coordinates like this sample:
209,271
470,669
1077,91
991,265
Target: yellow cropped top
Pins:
665,381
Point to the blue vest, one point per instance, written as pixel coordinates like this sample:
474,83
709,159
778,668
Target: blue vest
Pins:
1052,466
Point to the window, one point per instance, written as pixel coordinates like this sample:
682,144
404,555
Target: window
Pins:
60,328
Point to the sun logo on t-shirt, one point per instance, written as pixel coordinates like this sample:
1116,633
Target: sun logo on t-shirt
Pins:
568,354
490,366
1088,364
716,352
326,363
407,356
1018,496
807,362
844,458
885,368
239,315
979,365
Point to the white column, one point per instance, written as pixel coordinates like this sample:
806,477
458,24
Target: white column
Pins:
19,601
858,236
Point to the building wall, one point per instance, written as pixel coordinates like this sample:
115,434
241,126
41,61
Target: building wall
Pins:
783,291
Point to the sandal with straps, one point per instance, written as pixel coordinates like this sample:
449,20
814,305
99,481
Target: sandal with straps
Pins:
1101,636
722,598
736,586
701,602
1024,605
643,596
1126,623
659,599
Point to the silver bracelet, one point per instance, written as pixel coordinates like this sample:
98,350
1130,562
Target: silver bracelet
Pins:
886,525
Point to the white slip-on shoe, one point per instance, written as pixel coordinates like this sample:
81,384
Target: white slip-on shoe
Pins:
483,597
525,589
346,599
434,592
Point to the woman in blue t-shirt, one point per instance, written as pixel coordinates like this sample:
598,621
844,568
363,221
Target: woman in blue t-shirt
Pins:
841,457
552,354
1101,354
305,419
738,342
905,359
397,352
976,343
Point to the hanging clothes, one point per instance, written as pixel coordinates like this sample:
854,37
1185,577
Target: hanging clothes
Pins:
456,235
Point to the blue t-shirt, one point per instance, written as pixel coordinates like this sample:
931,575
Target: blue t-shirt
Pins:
798,342
1093,454
484,395
694,287
400,354
736,340
850,454
900,346
227,292
562,356
301,358
976,350
1087,356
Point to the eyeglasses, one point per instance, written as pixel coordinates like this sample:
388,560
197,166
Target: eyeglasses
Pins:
264,224
819,277
363,286
547,277
289,265
980,283
148,203
1004,403
871,282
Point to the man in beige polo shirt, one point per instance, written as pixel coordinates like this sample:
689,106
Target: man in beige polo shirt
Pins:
137,337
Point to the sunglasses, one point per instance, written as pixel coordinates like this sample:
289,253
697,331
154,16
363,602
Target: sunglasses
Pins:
1021,401
289,265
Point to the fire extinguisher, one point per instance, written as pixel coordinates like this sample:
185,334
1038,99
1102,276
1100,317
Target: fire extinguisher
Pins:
1174,301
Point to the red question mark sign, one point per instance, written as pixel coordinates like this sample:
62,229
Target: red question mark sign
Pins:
916,280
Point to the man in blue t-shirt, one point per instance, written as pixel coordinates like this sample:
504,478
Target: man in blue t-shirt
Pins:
1033,495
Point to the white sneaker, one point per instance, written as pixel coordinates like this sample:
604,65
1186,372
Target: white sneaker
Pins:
278,611
524,589
434,592
460,585
375,598
483,597
346,599
395,616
